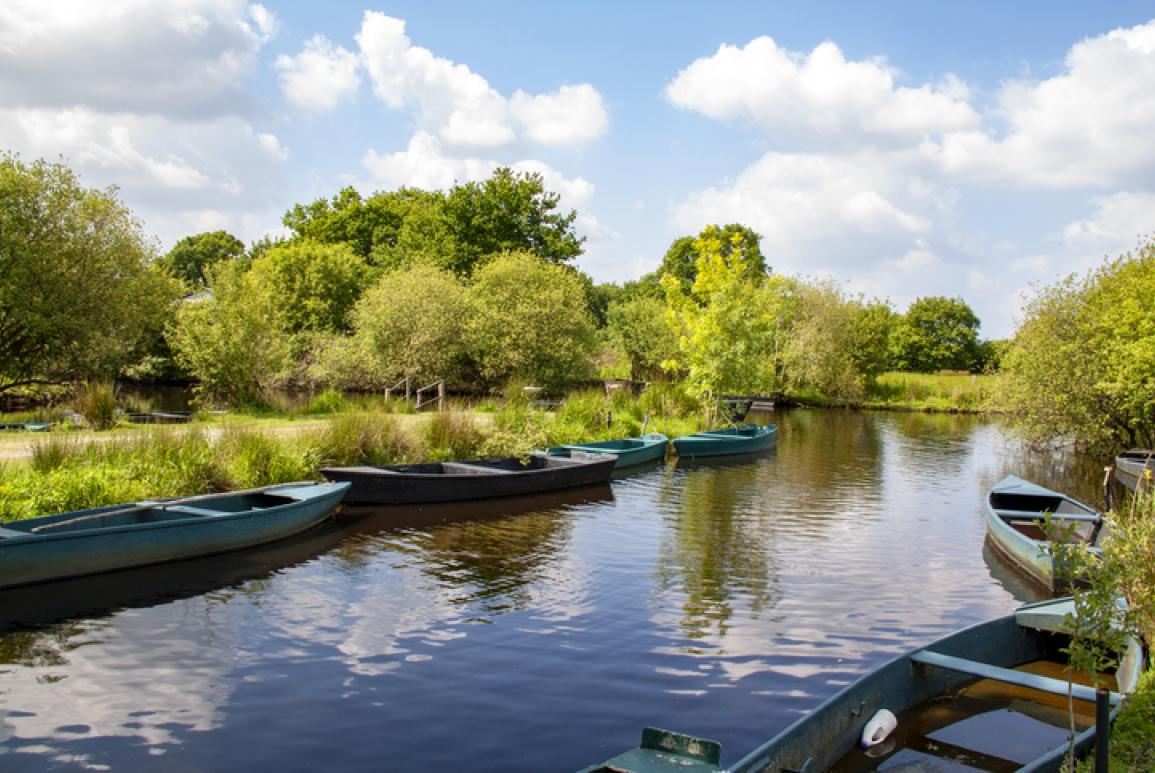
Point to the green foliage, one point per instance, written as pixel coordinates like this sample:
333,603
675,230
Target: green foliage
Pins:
328,401
233,341
642,329
1082,363
411,324
77,296
529,320
315,284
509,212
819,352
933,391
96,402
730,321
936,333
681,259
252,459
362,438
451,435
189,258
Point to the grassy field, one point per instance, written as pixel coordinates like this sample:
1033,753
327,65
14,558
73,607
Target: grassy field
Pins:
962,392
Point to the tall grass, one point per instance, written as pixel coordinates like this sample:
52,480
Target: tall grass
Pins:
934,391
451,435
96,402
361,438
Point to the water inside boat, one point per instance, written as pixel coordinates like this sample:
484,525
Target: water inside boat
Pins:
986,725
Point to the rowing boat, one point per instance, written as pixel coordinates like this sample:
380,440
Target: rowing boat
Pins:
115,537
743,439
1016,513
991,697
629,451
1135,467
411,484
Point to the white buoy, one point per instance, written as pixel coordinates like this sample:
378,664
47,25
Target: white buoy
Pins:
880,726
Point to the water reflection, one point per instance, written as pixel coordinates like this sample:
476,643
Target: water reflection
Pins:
723,600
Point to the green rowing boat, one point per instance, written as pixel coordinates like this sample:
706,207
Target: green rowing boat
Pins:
629,451
744,439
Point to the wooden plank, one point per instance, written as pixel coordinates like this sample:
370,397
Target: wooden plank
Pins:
1007,675
1029,515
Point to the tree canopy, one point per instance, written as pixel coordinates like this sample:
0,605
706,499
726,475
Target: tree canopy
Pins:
189,258
77,295
1082,363
936,333
737,241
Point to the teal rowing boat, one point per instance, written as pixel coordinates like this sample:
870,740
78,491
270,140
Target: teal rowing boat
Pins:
744,439
629,451
989,697
105,539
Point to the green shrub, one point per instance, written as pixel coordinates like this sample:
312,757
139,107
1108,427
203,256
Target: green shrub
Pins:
328,401
253,459
96,402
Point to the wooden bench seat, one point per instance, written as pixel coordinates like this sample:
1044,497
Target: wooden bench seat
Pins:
1007,675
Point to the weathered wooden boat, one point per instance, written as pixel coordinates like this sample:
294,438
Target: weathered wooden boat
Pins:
989,697
160,417
1016,512
411,484
1135,468
115,537
629,451
744,439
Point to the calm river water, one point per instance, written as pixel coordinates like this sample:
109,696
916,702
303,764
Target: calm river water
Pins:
721,600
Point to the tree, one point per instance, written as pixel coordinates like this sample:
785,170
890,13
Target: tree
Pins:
936,333
681,259
508,212
642,330
730,321
530,320
232,340
820,347
411,324
192,255
315,284
77,296
1082,363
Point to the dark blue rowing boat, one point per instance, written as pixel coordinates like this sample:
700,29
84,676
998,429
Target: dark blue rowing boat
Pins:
105,539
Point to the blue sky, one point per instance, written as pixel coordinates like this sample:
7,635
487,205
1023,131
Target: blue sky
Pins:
899,149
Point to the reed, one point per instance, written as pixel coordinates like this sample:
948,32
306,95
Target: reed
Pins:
450,435
361,438
96,402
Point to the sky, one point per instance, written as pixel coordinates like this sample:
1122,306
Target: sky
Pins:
902,149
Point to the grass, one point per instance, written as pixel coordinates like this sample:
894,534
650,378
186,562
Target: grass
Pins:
948,392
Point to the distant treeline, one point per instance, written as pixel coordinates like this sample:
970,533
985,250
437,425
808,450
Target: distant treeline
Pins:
476,285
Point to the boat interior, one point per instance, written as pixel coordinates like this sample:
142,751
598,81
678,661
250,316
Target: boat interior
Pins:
152,512
1027,514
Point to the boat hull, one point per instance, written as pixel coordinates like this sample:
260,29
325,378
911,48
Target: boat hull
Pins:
411,484
1131,468
162,531
746,439
629,452
1032,555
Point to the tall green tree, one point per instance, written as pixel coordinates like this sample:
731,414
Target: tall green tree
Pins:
1082,363
641,329
191,256
78,298
730,321
936,333
529,319
232,340
509,212
737,241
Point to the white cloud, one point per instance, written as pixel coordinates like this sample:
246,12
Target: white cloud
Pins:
816,211
320,76
424,164
459,106
188,57
1091,125
571,116
1117,224
822,93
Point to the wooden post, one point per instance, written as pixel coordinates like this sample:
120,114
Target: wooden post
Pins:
408,390
441,396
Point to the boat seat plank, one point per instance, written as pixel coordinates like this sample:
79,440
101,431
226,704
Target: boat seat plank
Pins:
186,510
7,533
473,469
1007,675
1036,516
